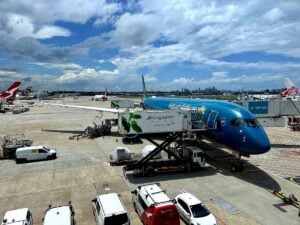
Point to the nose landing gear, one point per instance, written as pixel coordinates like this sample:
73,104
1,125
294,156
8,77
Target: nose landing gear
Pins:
238,167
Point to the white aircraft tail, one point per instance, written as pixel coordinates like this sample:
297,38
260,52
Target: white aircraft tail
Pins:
288,83
144,87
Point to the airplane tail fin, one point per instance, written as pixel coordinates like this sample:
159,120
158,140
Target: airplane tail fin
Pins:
289,83
105,92
11,91
144,87
27,91
290,90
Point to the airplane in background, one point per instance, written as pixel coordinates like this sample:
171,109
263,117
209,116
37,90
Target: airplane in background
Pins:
25,94
234,126
291,89
9,95
101,97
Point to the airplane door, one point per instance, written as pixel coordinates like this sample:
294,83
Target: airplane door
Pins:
212,120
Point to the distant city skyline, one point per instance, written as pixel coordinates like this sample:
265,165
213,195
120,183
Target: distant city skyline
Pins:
90,45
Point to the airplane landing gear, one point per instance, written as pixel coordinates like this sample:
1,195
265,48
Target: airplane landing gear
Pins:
238,167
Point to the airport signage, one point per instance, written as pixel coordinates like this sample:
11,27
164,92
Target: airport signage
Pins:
258,107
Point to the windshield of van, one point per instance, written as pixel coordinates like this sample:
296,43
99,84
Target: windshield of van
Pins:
245,122
116,219
46,149
199,210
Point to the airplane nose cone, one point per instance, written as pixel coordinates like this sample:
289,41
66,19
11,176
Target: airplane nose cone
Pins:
258,141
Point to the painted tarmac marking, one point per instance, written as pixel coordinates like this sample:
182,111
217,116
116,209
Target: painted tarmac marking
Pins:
225,205
294,179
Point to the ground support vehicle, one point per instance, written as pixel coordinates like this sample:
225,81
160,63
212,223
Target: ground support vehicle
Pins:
153,206
109,210
122,103
294,122
179,158
9,145
176,122
62,215
34,153
17,217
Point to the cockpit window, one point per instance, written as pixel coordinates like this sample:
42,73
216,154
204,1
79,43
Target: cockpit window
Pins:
237,122
245,122
252,122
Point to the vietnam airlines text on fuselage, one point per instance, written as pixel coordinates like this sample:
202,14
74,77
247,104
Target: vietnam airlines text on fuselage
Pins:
237,128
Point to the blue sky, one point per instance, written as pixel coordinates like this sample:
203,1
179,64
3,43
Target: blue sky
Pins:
90,45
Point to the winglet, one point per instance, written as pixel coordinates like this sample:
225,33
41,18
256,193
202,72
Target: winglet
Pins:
144,87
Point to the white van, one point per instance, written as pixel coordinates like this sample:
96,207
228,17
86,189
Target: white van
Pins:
109,210
63,215
17,217
34,153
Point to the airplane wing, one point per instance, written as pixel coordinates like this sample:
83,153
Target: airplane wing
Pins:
87,108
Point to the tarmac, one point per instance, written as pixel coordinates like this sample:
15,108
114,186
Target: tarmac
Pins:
81,171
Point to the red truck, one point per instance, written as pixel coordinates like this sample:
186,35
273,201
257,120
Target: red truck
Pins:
153,206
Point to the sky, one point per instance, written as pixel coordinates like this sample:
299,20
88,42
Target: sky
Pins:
90,45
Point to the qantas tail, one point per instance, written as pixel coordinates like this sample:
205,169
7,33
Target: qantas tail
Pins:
11,91
290,90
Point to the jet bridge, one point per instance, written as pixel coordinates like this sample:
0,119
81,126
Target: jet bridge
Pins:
167,121
272,112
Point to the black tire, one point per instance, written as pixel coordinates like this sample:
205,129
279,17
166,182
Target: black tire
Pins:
134,206
234,168
240,167
150,172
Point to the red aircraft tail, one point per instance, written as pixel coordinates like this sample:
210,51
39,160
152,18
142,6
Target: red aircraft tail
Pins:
11,91
27,91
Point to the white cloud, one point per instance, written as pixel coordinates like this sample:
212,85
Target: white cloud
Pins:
61,66
51,31
135,30
87,74
19,26
183,81
219,75
273,15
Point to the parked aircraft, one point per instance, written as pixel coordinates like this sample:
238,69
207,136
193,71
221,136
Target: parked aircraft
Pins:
101,97
230,124
290,90
26,94
8,95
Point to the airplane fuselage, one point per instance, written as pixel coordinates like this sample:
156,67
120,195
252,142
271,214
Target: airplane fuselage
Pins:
235,127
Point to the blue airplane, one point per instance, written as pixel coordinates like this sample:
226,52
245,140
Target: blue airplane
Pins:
228,123
231,124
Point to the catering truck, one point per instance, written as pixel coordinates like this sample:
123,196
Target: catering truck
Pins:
178,157
167,121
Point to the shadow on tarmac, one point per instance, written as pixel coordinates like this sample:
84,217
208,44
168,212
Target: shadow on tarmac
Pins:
65,131
252,174
134,179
